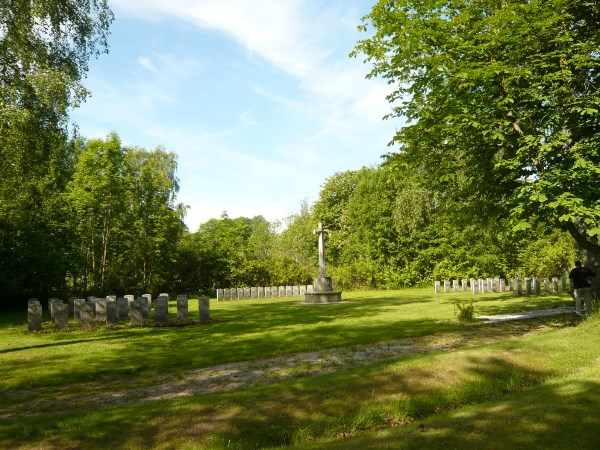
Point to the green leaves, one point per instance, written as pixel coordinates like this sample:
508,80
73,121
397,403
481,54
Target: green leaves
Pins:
504,97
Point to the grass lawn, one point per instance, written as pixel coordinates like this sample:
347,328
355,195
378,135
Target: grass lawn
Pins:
539,389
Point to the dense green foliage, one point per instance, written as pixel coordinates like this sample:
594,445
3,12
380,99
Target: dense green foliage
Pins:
501,100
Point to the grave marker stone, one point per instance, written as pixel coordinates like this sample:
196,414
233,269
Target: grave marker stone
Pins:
226,294
204,309
77,304
112,313
465,285
519,286
240,293
536,286
261,292
61,314
474,286
555,285
101,309
455,285
274,292
546,285
161,309
436,287
502,285
182,307
123,307
253,292
86,315
302,289
34,315
219,295
446,286
137,312
247,293
145,306
295,291
527,286
289,292
281,291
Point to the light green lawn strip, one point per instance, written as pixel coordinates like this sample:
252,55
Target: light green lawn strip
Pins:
350,402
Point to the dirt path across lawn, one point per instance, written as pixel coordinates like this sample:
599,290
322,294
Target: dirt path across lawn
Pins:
239,375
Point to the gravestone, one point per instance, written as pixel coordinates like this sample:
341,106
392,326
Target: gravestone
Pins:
281,291
563,284
161,309
546,285
502,285
77,304
464,285
289,291
536,286
61,314
219,295
240,293
50,308
295,291
101,309
234,293
253,292
527,286
519,286
112,313
123,307
93,307
71,303
268,292
302,290
149,297
261,292
474,286
555,285
130,298
112,298
310,289
436,286
34,315
247,293
145,306
226,294
204,309
511,284
274,292
86,315
446,286
455,285
136,309
182,307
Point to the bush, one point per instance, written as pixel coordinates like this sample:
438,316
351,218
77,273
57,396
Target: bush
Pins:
465,311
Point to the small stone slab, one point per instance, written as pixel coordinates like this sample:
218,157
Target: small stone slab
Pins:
182,307
161,309
204,309
34,316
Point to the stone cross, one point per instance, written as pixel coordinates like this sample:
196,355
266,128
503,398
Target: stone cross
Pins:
321,232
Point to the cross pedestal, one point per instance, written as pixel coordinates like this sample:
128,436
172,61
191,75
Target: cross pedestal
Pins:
323,287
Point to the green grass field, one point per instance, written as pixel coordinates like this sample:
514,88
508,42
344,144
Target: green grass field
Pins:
530,384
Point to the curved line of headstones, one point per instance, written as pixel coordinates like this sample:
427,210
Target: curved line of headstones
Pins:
112,310
246,293
527,285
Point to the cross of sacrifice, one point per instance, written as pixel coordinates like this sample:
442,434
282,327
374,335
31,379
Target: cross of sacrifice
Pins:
321,232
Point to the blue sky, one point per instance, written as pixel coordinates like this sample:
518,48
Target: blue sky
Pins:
259,100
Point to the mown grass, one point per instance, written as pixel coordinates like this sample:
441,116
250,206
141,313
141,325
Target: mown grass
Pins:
508,395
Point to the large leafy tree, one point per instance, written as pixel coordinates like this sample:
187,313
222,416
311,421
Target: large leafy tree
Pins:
501,102
44,51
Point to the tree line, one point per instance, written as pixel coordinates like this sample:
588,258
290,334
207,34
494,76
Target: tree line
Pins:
496,172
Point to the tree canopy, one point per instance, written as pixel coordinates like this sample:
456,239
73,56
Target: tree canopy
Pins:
501,100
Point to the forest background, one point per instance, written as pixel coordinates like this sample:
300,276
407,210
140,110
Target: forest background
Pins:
497,175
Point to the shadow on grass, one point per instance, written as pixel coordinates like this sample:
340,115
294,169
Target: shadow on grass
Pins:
522,412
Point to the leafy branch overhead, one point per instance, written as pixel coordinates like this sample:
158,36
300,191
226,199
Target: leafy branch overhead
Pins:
501,104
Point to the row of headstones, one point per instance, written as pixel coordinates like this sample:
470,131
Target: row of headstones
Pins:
263,292
485,285
112,310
